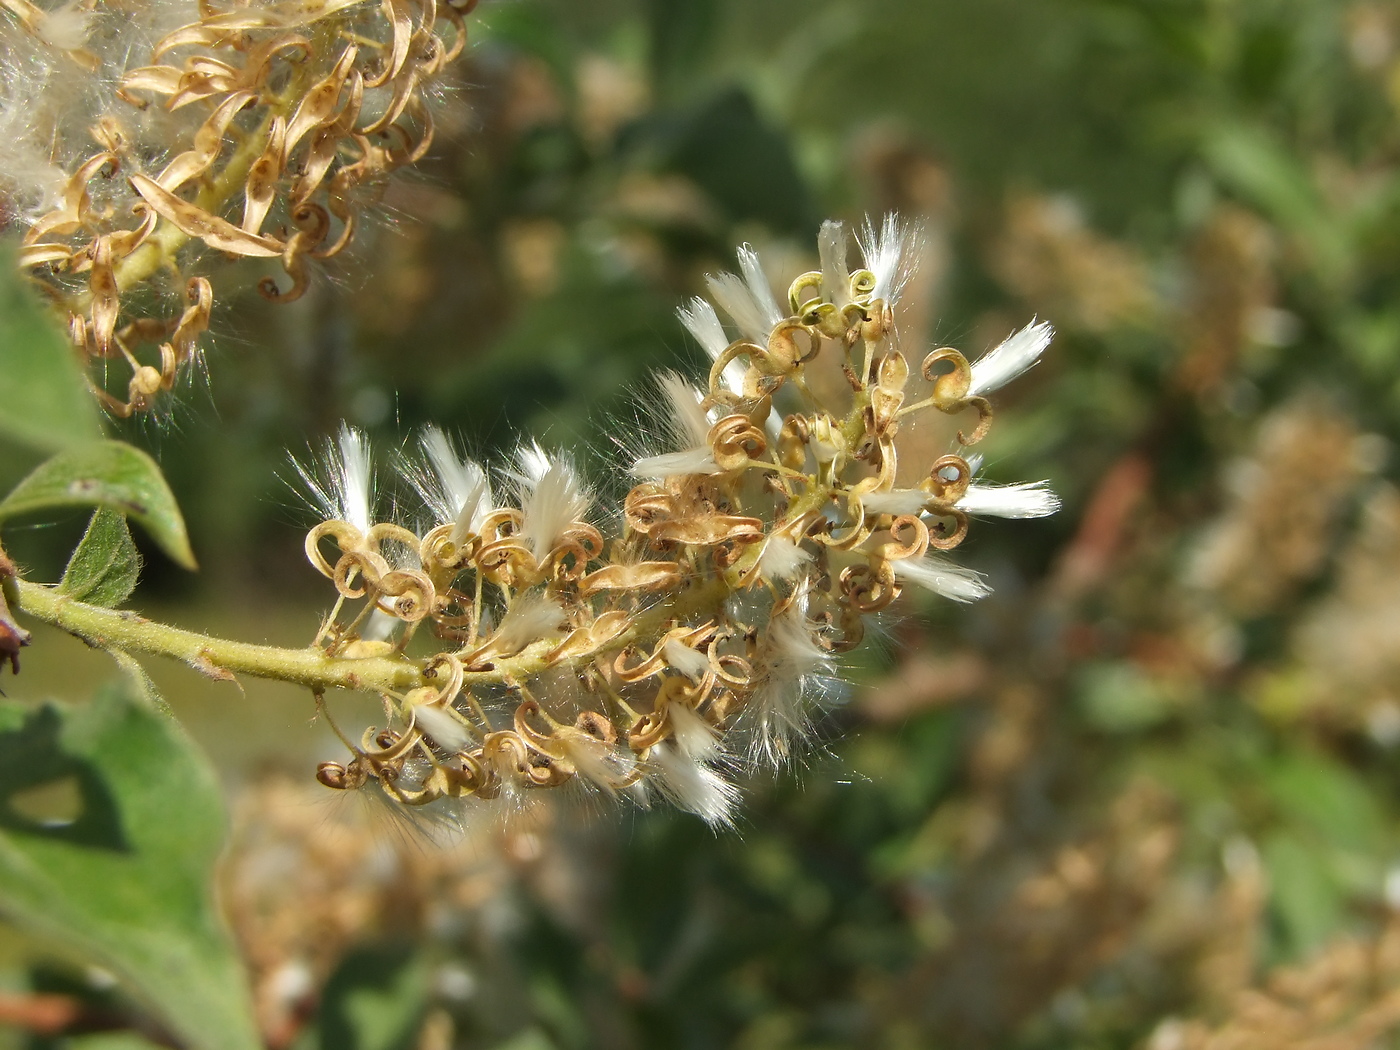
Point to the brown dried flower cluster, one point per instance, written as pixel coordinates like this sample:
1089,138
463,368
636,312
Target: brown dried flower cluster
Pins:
257,130
1049,255
1346,647
749,555
1347,998
1042,922
304,884
1278,528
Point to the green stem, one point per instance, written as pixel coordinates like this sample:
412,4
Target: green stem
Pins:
311,667
118,629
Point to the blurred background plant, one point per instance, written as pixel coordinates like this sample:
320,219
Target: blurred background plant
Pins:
1144,796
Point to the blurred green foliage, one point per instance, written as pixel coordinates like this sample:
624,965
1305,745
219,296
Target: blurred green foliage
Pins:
112,823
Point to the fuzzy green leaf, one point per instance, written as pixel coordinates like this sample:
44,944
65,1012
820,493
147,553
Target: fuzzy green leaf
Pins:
110,823
110,1041
374,1001
44,400
112,474
1264,171
106,563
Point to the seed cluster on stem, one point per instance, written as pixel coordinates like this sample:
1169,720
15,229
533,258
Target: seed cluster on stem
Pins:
703,633
254,131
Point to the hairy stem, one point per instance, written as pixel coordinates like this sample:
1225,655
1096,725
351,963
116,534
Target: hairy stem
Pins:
118,629
311,667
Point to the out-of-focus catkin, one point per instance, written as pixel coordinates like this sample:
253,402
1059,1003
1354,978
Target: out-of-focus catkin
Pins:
141,143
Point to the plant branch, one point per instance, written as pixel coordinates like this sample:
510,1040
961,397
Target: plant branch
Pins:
13,637
119,629
311,667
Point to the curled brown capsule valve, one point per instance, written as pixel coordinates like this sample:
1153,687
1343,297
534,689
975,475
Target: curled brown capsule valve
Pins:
335,775
892,374
363,565
948,479
645,506
640,576
786,352
909,539
951,391
438,551
347,538
869,589
792,442
581,543
949,531
505,752
584,641
596,725
710,530
507,562
411,592
649,731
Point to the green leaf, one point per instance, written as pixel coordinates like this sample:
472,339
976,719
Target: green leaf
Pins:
111,1041
1303,894
104,567
1325,798
374,1000
682,33
1254,164
112,474
110,823
44,400
529,1039
700,145
1120,698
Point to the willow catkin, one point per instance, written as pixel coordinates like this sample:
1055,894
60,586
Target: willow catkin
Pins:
704,633
142,145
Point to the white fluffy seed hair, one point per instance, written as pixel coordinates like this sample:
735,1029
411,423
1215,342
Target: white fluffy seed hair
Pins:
48,104
791,665
67,27
669,464
836,275
760,290
455,489
753,312
1029,499
1012,357
530,616
944,577
685,429
693,785
701,321
695,737
694,665
552,494
891,254
340,485
30,173
380,626
782,559
442,728
895,501
605,765
690,424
